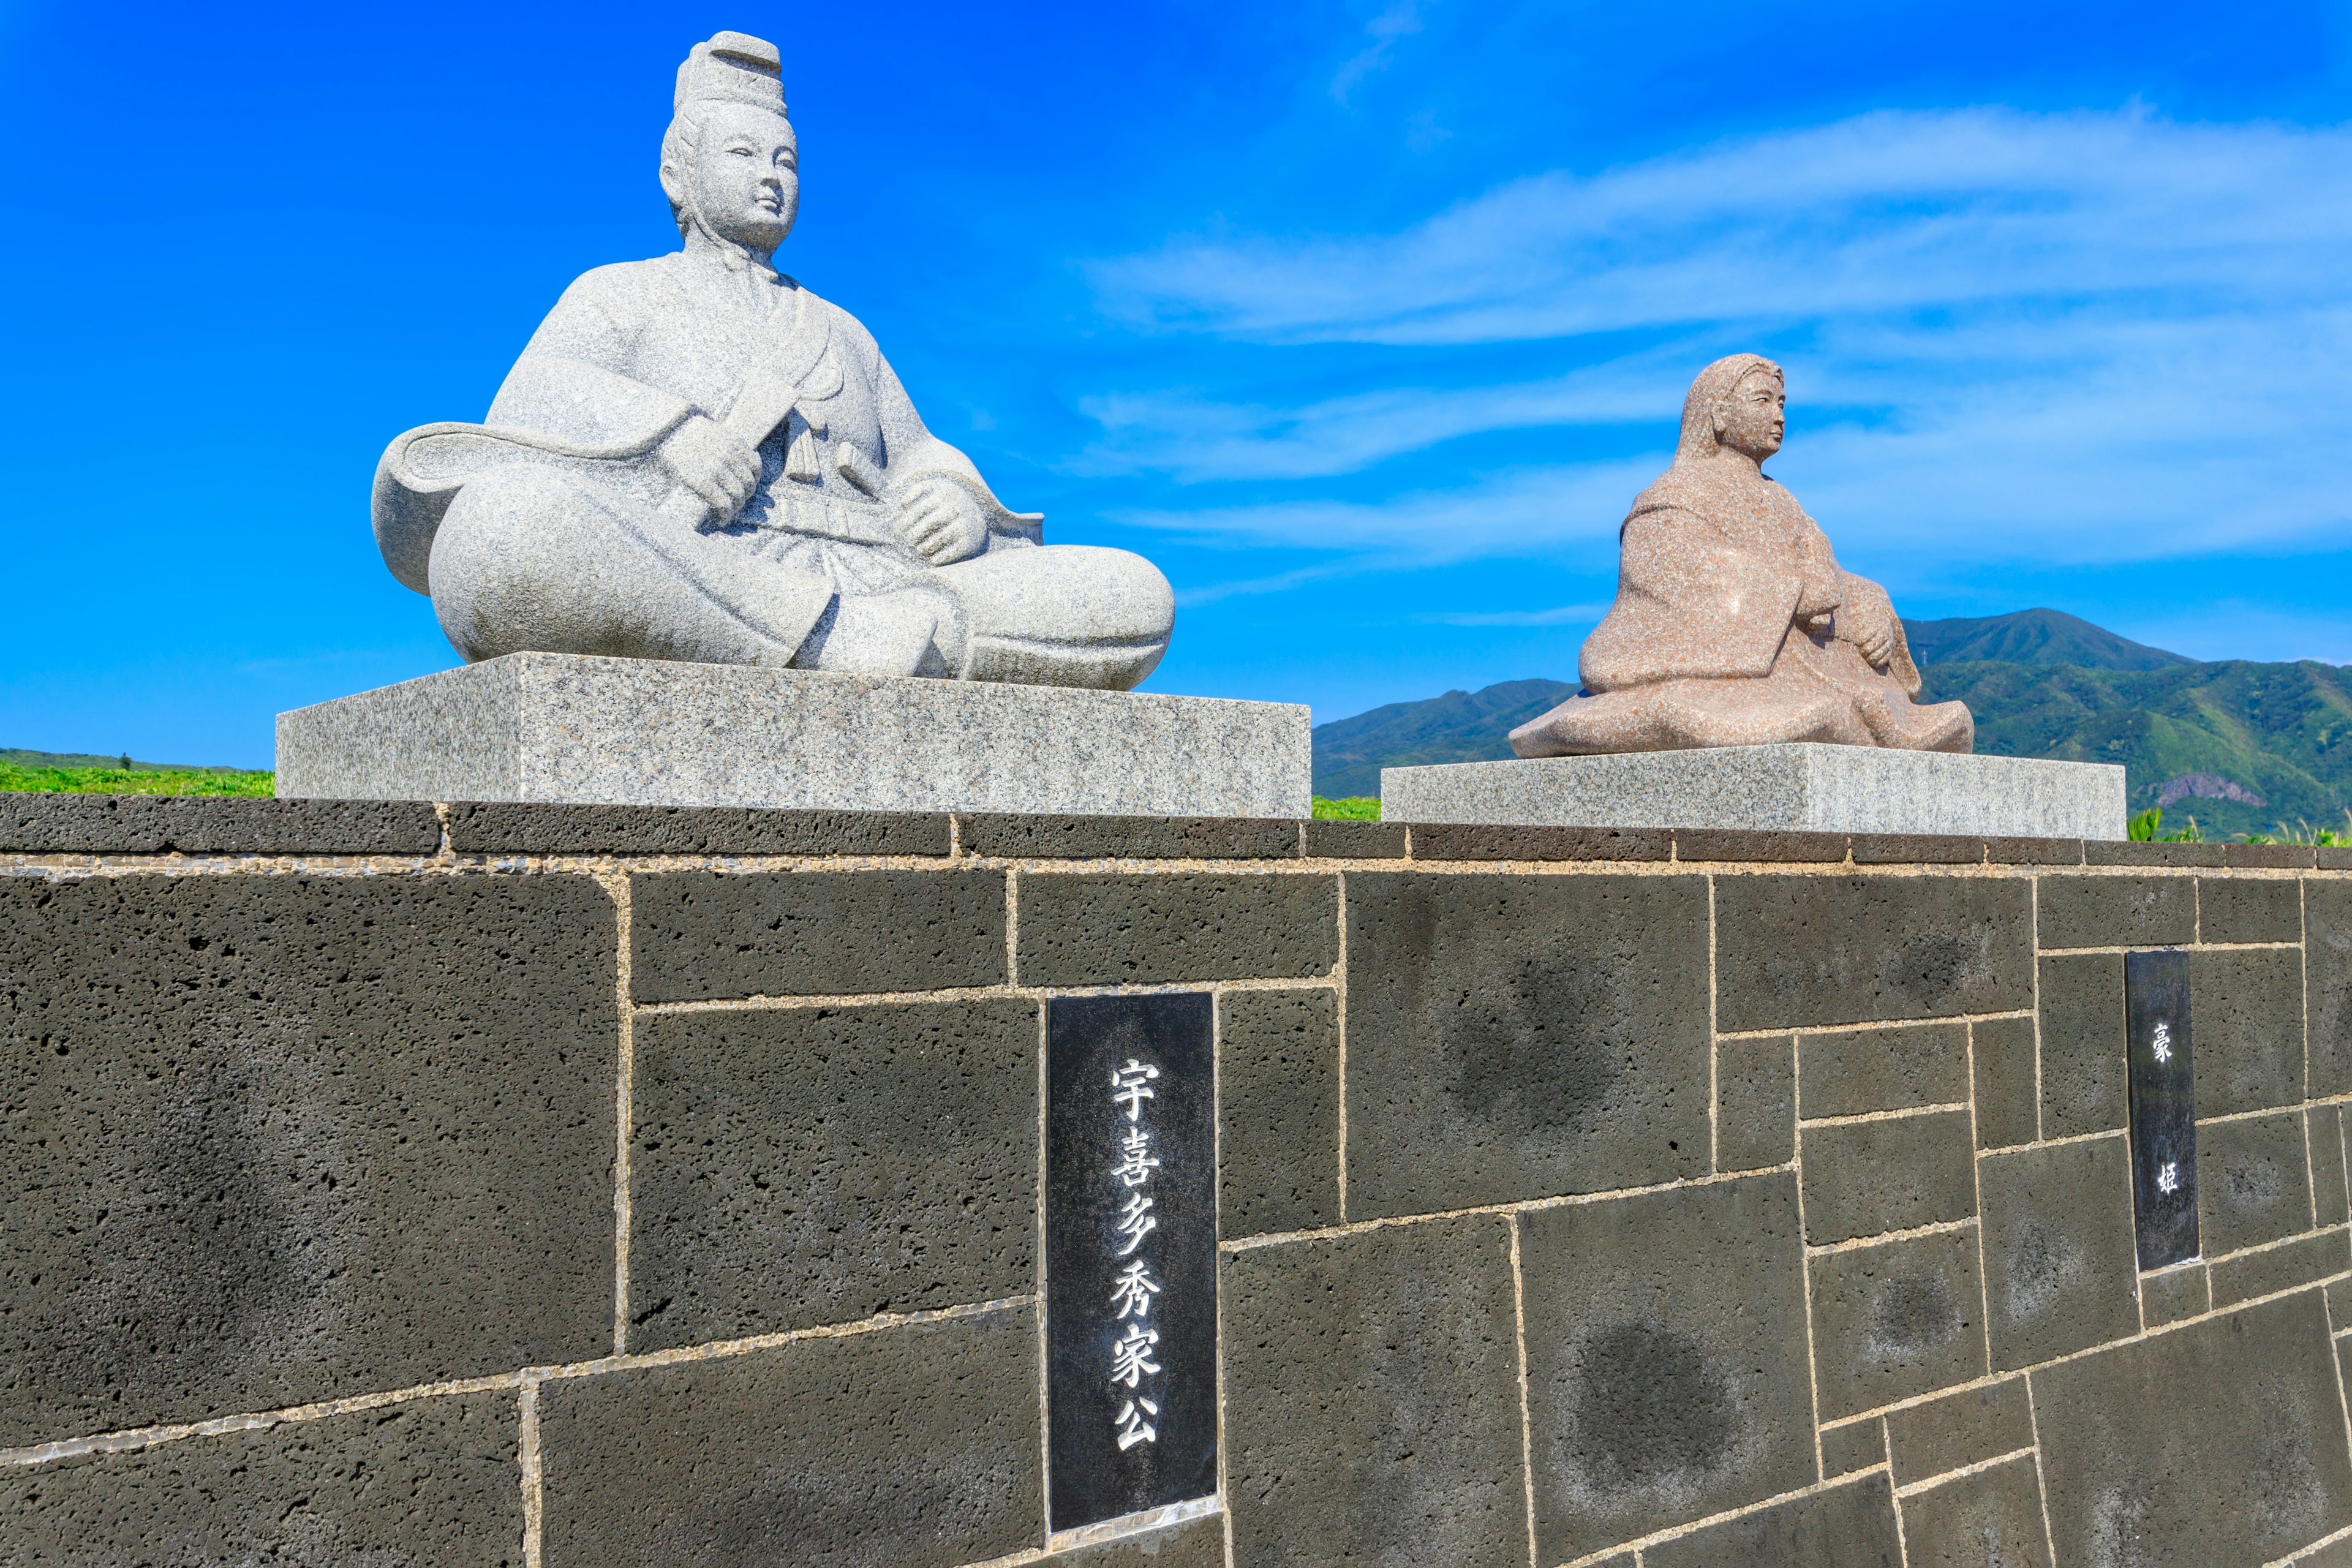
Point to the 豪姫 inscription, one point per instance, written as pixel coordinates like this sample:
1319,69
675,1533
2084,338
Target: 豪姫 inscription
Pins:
1131,1254
2163,1107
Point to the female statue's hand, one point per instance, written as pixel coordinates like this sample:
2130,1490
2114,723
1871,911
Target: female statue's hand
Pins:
1873,633
713,462
940,522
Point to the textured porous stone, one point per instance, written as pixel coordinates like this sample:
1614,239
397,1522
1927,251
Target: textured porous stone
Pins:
2174,1294
1277,1111
1756,1103
1797,951
2005,851
1090,929
2082,1044
1916,849
1665,1339
2246,1013
2058,1251
2323,1128
1959,1430
1743,844
1856,1446
1331,841
2003,1051
2248,1470
270,1139
1195,1543
194,825
1821,789
2115,911
1849,1526
1853,1071
2327,983
1989,1519
916,1447
2283,1267
1387,1417
698,935
809,1165
2253,1183
1480,841
1866,1178
2121,852
424,1481
1895,1321
2249,909
507,827
544,727
1129,837
1515,1038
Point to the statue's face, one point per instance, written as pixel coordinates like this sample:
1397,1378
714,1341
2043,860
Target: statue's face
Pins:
746,175
1755,417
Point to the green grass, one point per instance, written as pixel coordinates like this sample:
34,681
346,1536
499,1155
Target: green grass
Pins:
135,781
1353,808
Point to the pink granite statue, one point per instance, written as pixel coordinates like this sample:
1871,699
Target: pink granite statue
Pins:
1734,625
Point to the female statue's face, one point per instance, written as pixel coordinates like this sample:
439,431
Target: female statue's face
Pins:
1754,418
746,175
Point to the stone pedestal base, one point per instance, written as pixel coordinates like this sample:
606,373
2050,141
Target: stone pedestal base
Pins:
555,727
1832,789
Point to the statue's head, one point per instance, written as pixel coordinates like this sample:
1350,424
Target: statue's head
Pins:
1738,403
729,164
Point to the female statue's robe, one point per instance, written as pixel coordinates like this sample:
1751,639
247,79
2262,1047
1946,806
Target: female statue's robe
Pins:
1705,645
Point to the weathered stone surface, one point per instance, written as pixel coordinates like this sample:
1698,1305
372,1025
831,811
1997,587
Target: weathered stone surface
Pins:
2327,983
1028,836
1761,845
2246,1015
1521,1036
2117,912
1990,1519
1756,1111
802,1165
508,827
1331,841
914,1446
1849,1526
2173,1294
1896,1321
1959,1430
270,1140
1917,849
2008,1104
425,1481
1388,1417
1849,1073
2331,1201
2059,1260
1503,841
1089,929
1798,951
2249,909
2249,1468
1278,1111
2083,1049
2137,853
1865,1178
696,936
2253,1184
149,825
1856,1446
2283,1267
1195,1543
1665,1338
2271,856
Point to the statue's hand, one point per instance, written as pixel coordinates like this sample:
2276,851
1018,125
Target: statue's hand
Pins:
713,462
940,522
1817,603
1871,629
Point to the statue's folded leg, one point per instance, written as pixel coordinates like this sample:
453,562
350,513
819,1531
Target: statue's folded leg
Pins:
1062,614
533,559
1691,713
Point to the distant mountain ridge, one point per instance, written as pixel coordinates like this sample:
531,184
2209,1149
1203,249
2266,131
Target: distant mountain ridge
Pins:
2033,636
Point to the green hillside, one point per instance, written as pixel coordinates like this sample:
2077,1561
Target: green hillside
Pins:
2032,636
73,772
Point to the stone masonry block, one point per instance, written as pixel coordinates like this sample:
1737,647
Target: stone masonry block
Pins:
808,1165
1333,840
1848,1073
1117,930
424,1481
1046,835
1992,1518
1521,1036
2082,1086
2174,1294
1849,1526
1666,1339
1856,1446
2301,1261
915,1446
1896,1321
543,827
2220,1442
2323,1126
196,825
1755,1110
2008,1103
2327,982
1278,1111
2246,1028
2249,909
1821,950
1866,1178
2060,1269
1959,1430
697,936
1195,1543
1371,1398
2115,911
2252,1183
270,1139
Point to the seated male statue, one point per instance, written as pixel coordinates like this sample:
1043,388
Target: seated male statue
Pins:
698,458
1734,625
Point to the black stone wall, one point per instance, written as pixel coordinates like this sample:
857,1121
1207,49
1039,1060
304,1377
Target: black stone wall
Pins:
585,1185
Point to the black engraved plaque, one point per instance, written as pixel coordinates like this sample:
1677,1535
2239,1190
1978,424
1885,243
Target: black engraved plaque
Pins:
2163,1107
1131,1254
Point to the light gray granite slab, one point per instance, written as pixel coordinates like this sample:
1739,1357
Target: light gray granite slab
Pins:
1818,788
563,727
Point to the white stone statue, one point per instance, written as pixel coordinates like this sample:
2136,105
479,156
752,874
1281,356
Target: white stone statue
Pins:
698,458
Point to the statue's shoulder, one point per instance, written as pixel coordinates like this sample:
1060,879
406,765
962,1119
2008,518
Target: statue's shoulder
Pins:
843,328
621,288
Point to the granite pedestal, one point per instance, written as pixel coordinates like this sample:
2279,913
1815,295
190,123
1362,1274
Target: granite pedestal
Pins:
1835,789
558,727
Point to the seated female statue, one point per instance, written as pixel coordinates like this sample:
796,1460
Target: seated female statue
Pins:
698,458
1734,625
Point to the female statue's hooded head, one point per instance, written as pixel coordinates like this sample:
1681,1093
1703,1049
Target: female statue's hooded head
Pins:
731,84
1714,384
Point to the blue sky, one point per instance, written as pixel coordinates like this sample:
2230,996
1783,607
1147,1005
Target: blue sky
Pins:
1365,322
